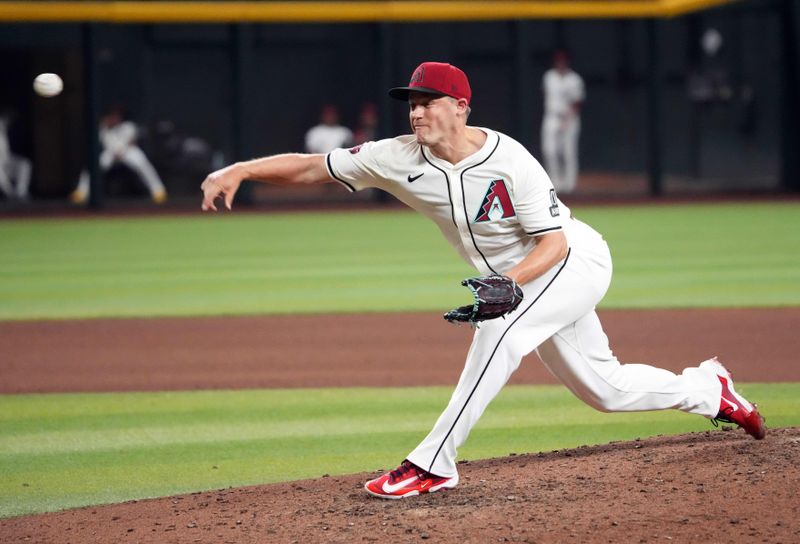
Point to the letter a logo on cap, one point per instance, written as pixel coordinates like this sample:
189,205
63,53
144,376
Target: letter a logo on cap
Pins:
418,76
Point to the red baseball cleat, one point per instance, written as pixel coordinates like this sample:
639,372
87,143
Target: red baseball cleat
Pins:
408,480
734,408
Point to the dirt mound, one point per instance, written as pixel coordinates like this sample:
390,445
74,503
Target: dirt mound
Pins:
702,487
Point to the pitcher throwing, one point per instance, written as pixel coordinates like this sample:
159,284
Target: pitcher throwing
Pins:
496,206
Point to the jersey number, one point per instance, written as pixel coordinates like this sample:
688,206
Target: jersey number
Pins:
554,211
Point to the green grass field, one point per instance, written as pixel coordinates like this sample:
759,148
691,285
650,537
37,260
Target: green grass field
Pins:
58,451
676,256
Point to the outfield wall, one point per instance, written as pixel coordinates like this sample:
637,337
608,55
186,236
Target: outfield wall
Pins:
177,80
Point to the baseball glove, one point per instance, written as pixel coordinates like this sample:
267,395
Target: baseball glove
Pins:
495,296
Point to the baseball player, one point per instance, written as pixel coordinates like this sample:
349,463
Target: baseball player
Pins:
561,125
497,207
15,170
118,138
329,134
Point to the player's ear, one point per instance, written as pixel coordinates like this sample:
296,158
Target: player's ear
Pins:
462,105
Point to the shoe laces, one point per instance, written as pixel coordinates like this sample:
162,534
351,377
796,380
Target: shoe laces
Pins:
406,467
723,416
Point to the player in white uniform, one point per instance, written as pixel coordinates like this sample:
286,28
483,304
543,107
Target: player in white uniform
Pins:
15,170
328,134
118,138
496,206
564,93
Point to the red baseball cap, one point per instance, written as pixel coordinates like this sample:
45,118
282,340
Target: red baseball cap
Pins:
436,78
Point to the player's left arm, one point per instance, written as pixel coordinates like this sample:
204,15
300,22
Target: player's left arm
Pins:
550,249
539,214
578,96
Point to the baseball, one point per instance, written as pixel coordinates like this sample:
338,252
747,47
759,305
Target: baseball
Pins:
48,85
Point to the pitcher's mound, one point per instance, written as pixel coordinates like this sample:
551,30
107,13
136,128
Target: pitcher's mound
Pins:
702,487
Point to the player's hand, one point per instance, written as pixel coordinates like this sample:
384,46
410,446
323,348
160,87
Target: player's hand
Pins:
222,183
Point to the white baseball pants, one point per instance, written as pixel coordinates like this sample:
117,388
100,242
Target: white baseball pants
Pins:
19,169
557,319
135,159
560,151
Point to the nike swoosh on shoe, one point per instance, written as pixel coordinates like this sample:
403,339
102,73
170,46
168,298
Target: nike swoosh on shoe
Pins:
393,488
731,404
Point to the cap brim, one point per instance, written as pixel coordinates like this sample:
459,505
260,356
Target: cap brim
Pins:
401,93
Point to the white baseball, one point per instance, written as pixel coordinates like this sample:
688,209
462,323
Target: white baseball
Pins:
48,85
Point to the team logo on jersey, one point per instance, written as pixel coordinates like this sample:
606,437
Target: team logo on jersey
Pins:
496,204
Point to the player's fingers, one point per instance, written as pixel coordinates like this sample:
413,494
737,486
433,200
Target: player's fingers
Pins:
204,187
210,193
229,197
208,206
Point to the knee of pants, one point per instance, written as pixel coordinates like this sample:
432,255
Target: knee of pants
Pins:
549,150
571,154
602,405
602,399
594,386
608,393
106,160
592,393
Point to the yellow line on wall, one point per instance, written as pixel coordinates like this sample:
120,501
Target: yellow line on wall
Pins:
339,12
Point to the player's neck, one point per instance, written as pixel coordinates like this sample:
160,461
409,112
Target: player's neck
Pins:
460,145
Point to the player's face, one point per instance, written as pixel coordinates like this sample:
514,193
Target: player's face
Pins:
561,62
112,119
433,118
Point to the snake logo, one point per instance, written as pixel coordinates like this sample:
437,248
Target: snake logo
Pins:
496,204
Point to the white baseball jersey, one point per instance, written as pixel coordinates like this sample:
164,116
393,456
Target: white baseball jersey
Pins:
119,137
490,206
561,91
326,138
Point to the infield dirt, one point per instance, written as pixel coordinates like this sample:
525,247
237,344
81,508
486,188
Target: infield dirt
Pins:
702,487
391,350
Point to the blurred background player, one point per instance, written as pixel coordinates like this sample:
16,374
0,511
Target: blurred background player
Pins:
367,129
561,125
329,134
15,170
118,138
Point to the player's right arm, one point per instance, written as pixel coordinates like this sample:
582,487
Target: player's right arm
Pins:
288,169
